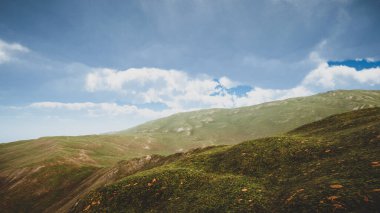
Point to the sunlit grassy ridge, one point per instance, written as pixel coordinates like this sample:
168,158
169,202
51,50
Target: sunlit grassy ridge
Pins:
231,126
327,166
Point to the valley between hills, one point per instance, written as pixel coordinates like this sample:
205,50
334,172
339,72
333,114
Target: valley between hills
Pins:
318,153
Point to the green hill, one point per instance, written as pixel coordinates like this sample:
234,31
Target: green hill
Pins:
230,126
36,174
50,173
327,166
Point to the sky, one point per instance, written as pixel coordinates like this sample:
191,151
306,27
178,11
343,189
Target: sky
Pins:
79,67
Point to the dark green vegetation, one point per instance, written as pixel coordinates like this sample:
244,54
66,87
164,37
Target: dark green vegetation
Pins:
49,174
327,166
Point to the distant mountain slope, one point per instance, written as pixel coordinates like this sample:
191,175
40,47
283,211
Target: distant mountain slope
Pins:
331,165
230,126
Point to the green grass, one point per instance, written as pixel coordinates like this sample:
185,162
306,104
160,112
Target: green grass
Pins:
43,188
296,172
179,189
102,150
231,126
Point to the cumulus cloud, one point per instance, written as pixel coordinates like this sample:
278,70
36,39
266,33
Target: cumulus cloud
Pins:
179,91
340,77
9,50
171,87
108,79
260,95
228,83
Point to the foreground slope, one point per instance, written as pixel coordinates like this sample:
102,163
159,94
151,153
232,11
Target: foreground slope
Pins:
231,126
38,174
327,166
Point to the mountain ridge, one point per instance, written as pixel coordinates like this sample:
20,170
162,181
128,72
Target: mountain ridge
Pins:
229,126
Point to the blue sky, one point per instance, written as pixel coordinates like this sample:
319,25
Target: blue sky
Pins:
81,67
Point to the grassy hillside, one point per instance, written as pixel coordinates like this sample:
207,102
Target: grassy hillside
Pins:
50,173
331,165
55,185
231,126
36,174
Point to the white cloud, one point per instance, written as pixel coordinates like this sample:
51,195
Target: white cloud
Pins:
148,85
102,109
181,92
178,90
260,95
108,79
9,50
59,105
340,77
228,83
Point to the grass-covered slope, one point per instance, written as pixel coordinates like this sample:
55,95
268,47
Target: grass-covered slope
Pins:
36,174
332,165
50,173
230,126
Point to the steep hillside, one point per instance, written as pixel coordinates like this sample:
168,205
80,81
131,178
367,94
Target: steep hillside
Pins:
231,126
36,174
332,165
57,185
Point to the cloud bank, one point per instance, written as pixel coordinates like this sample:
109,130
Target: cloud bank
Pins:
179,91
175,89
